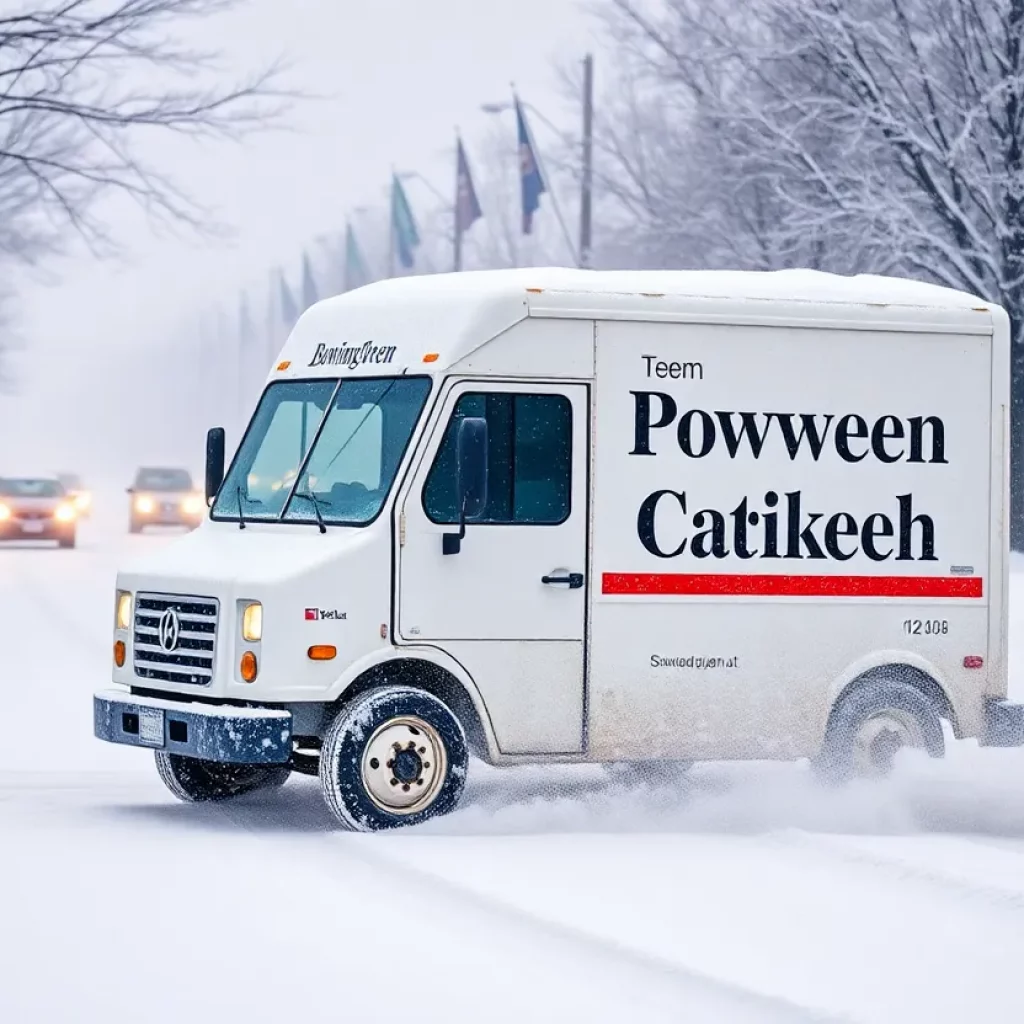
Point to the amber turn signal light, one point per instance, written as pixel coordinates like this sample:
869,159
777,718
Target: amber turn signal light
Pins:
322,652
119,653
247,666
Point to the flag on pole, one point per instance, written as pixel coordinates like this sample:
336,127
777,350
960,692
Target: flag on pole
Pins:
405,235
467,205
289,311
356,274
530,178
309,294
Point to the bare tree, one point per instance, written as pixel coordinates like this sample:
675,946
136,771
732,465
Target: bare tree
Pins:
82,83
879,135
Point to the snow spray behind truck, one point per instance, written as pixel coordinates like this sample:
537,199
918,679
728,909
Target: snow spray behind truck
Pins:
554,515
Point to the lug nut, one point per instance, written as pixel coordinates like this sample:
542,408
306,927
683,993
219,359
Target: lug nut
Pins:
391,764
426,764
394,782
374,763
423,750
405,788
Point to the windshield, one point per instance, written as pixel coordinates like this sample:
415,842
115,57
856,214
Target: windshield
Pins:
163,480
25,488
345,439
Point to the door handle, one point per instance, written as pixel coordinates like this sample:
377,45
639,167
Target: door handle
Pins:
574,580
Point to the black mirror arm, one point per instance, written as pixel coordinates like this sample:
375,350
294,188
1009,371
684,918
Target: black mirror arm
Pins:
451,543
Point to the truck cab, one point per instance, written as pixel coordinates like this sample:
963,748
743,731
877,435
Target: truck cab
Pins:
549,515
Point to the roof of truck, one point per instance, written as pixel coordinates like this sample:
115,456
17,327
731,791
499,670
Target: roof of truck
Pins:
778,285
455,313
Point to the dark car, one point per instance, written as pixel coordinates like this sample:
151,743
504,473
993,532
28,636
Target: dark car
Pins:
164,497
36,508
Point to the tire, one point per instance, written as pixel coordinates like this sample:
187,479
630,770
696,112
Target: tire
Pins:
134,526
67,541
357,783
193,781
650,773
870,724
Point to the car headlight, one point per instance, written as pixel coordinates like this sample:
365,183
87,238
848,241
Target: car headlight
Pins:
252,622
83,501
193,505
144,504
5,513
65,514
123,616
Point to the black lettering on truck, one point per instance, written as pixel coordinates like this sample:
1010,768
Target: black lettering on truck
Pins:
783,527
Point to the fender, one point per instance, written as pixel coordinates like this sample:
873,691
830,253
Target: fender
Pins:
436,657
878,659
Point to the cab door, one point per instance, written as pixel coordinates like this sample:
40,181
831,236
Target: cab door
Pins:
511,605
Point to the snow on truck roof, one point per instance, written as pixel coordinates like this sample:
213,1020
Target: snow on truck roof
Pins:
776,285
455,313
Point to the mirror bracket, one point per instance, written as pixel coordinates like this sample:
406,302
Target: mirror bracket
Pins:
451,543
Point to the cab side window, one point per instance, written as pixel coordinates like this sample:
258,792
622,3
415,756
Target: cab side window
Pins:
529,460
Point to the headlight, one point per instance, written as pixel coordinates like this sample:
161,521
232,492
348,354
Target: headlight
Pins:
65,514
82,501
123,617
252,622
144,504
193,505
5,513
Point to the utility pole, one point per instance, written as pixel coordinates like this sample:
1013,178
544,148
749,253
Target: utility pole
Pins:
587,168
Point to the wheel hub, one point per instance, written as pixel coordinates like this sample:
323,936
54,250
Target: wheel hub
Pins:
881,738
404,765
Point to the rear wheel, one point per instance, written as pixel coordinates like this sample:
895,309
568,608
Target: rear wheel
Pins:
394,756
871,724
134,526
194,781
67,541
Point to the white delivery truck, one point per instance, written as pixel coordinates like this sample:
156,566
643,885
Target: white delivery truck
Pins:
558,515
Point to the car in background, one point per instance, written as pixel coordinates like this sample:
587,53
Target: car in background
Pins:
164,497
36,508
77,493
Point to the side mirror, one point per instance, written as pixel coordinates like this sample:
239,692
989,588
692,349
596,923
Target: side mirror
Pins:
214,461
471,478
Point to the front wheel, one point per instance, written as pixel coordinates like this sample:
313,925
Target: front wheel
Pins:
193,781
394,756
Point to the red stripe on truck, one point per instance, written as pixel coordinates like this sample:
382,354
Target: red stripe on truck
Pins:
743,585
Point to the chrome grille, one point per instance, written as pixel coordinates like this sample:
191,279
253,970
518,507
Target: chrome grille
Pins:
190,660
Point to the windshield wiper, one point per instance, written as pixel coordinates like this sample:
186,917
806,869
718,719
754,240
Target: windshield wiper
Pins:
310,496
241,514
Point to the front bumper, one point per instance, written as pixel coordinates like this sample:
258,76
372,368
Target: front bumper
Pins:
35,529
210,732
1004,724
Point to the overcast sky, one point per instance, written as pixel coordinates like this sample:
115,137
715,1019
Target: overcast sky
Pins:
397,77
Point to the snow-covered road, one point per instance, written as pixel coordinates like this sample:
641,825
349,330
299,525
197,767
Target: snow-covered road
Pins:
740,893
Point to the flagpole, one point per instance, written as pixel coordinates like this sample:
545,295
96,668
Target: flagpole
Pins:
551,190
391,228
456,217
587,161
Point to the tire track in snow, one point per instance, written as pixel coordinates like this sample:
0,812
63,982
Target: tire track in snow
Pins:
396,871
903,869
